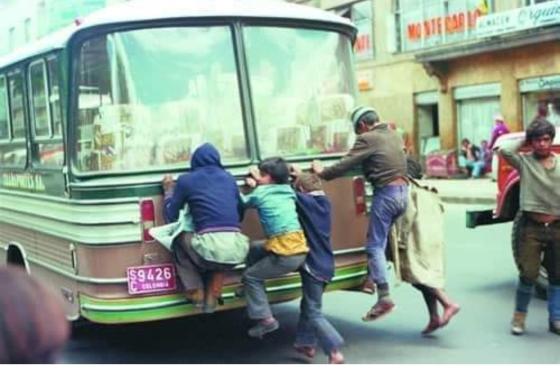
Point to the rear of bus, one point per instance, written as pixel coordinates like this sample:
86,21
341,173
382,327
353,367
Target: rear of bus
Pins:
147,92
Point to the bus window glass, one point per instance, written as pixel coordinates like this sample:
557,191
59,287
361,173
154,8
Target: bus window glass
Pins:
39,102
147,98
303,91
17,108
4,118
54,97
14,152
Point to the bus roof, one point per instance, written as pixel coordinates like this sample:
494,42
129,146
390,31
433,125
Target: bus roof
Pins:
148,10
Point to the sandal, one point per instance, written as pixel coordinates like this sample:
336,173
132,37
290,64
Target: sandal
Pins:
380,309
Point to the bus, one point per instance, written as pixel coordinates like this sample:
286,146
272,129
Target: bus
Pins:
93,116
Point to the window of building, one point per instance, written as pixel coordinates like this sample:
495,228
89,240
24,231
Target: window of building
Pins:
541,97
429,23
27,30
361,14
11,38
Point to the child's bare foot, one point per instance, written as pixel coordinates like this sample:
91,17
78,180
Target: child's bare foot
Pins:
449,312
336,357
306,350
433,325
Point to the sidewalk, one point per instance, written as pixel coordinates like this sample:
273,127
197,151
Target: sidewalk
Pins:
469,191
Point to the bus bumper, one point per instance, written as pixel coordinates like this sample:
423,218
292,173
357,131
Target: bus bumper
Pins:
482,217
168,306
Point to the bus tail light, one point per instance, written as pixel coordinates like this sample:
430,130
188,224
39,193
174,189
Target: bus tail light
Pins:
148,217
359,195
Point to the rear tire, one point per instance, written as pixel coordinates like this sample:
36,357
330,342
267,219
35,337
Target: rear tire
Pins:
541,284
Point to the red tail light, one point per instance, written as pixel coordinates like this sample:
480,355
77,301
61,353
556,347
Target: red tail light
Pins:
359,195
148,217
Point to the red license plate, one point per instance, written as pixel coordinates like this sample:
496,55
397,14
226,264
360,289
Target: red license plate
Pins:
151,279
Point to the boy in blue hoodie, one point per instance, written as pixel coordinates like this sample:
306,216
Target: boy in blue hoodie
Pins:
314,210
217,244
285,247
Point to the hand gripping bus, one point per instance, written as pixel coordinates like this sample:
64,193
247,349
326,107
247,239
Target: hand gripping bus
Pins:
507,207
93,116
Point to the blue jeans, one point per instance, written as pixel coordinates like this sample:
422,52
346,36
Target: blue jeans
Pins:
263,265
312,326
476,166
389,202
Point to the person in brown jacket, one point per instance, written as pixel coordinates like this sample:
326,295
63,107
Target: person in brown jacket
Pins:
380,152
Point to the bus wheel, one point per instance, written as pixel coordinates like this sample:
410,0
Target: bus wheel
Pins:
542,281
15,257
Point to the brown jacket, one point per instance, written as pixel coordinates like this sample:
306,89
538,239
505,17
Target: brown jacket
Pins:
379,151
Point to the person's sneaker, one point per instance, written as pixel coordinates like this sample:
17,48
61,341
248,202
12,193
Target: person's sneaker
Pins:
336,357
380,309
554,326
263,327
308,351
518,323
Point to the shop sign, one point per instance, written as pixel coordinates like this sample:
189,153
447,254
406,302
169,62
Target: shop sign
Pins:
519,19
543,83
427,24
452,23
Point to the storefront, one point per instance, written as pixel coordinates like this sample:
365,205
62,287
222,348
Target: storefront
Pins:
541,95
476,107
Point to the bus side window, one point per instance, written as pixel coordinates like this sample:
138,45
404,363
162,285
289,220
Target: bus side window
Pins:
13,150
4,117
47,141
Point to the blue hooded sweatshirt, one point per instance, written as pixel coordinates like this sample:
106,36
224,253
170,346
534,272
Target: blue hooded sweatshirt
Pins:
314,211
210,191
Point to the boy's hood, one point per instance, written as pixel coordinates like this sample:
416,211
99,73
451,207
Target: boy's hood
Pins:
206,155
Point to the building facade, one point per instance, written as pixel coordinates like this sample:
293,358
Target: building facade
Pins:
443,69
22,21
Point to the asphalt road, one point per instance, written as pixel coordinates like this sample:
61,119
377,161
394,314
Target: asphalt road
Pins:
481,277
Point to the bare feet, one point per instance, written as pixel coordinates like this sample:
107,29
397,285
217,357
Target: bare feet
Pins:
306,350
449,312
433,325
336,357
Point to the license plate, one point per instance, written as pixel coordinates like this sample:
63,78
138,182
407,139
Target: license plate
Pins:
151,279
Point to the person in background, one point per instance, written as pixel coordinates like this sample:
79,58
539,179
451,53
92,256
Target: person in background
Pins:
379,151
486,153
217,244
33,325
538,235
314,210
470,158
500,128
285,248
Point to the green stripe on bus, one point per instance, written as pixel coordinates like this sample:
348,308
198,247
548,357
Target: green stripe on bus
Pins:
181,310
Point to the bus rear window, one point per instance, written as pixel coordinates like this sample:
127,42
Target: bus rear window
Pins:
303,91
148,97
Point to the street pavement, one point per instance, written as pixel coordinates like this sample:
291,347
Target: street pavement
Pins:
481,277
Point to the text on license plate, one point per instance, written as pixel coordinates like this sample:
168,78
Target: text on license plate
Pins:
151,278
